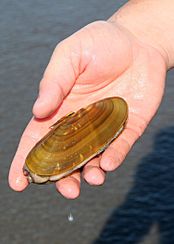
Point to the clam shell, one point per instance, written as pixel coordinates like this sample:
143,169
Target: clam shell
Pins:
75,139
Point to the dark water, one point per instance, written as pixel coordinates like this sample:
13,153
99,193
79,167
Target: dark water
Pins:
136,205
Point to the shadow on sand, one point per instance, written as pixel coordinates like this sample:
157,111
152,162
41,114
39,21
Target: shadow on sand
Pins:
150,201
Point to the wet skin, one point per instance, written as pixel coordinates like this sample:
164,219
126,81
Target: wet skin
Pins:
102,59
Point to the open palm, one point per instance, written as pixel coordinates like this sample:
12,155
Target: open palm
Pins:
100,60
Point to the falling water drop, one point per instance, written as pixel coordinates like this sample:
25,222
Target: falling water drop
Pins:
70,217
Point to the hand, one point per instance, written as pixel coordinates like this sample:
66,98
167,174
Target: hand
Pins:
99,61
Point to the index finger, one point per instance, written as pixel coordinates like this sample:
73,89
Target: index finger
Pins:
32,134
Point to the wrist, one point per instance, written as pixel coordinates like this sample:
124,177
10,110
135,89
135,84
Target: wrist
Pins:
150,22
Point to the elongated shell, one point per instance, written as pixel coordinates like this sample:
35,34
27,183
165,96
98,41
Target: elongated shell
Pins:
75,139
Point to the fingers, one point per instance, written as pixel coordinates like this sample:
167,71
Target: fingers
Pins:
92,172
49,99
17,180
69,187
58,79
30,137
114,155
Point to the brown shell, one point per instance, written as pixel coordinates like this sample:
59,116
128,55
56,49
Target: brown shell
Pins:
75,139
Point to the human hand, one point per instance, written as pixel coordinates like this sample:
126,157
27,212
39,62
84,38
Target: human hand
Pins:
101,60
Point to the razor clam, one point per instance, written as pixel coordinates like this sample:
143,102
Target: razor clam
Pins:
75,139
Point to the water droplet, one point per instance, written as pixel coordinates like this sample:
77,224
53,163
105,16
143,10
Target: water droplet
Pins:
70,217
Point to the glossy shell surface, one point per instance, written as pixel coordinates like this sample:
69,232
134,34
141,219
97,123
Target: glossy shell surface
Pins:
75,139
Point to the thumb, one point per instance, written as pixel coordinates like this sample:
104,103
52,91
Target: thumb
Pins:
59,77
